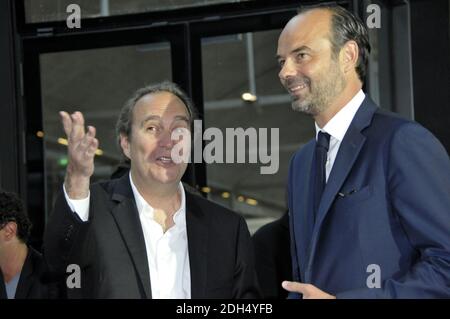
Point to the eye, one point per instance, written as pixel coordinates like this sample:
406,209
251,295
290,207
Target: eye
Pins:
151,128
181,130
301,56
281,63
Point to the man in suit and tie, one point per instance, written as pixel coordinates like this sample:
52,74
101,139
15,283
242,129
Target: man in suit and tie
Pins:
369,197
142,235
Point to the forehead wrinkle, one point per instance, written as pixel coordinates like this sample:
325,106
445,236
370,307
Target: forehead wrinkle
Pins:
181,118
304,28
158,103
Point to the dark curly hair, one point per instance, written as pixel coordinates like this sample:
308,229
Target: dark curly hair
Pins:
11,210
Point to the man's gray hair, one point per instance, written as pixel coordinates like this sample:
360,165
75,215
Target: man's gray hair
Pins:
125,120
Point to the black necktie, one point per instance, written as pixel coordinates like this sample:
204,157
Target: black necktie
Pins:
322,144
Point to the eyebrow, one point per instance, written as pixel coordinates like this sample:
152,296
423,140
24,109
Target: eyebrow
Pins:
182,118
302,48
158,118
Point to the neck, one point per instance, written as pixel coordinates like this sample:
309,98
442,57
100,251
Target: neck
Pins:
169,202
12,258
338,103
161,196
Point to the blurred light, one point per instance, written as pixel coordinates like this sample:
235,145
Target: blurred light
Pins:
226,195
63,161
248,97
240,198
251,201
62,141
206,189
40,134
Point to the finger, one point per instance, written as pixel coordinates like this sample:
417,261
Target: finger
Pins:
91,131
66,121
86,141
293,286
83,144
90,151
77,132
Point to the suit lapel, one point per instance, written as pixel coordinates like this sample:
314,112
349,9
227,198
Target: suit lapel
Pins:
3,294
303,203
127,219
348,153
26,279
197,234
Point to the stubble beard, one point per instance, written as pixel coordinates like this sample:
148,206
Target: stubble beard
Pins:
321,92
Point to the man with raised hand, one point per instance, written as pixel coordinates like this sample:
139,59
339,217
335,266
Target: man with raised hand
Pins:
142,235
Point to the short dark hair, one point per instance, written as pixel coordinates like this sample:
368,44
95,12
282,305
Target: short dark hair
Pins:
11,210
125,120
345,26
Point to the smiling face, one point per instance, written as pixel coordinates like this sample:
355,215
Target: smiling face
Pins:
309,70
155,117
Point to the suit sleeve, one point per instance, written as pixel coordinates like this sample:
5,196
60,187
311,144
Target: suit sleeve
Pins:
418,173
62,232
79,206
245,280
265,262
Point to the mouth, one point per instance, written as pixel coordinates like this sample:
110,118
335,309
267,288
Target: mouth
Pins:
165,161
295,89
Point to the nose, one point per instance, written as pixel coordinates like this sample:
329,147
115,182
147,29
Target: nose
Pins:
165,139
288,70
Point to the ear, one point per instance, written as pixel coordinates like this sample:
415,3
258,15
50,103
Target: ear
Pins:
125,144
10,230
349,56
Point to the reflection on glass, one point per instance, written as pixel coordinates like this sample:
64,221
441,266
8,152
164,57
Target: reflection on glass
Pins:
241,89
96,82
56,10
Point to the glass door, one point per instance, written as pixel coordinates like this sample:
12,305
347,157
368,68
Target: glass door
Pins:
95,74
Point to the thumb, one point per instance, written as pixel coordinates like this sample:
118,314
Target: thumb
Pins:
293,286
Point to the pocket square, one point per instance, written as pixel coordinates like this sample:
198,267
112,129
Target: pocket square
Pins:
344,194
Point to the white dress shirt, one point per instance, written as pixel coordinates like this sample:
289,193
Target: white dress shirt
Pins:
167,253
338,126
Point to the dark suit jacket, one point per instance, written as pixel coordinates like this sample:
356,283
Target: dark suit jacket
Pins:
35,281
273,257
386,203
110,247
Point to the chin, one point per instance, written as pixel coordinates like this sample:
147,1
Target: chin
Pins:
169,181
300,107
169,177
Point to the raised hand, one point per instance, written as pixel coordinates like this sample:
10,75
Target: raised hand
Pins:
81,152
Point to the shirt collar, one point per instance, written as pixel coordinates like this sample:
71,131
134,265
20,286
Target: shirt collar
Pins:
144,207
338,125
